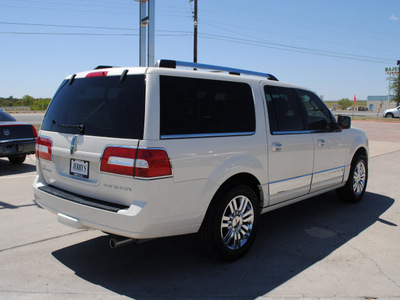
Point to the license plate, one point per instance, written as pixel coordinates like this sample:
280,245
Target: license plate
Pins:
79,168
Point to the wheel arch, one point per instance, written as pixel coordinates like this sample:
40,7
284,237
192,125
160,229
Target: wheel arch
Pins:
389,114
360,151
355,186
238,179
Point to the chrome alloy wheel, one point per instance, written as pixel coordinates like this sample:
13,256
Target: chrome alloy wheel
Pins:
359,178
237,222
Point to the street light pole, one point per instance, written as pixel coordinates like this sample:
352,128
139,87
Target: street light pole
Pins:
195,33
147,26
387,105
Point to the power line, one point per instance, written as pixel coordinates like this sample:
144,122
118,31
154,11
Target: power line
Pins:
69,9
254,43
68,33
319,52
66,26
171,33
91,5
297,48
175,32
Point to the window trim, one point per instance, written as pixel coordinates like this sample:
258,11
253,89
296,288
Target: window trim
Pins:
290,132
205,135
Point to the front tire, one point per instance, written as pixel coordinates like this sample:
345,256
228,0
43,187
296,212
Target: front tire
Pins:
356,184
231,223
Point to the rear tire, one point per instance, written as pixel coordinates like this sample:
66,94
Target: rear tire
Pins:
231,223
356,184
17,160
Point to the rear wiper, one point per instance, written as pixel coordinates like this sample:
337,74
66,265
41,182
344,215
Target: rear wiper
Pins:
80,128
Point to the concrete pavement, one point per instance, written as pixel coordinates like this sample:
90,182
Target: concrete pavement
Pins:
321,248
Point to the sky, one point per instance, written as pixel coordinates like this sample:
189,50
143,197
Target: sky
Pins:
338,48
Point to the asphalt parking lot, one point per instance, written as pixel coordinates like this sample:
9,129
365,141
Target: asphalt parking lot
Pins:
320,248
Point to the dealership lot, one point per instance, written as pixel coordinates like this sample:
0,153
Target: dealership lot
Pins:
321,247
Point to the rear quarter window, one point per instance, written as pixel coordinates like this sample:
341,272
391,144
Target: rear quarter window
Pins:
191,107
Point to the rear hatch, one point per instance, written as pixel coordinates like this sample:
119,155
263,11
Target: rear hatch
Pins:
90,134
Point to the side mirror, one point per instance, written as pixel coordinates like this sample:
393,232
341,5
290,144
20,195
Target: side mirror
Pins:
344,122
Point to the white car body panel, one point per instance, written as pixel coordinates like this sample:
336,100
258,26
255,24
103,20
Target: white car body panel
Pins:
290,166
329,159
177,204
395,112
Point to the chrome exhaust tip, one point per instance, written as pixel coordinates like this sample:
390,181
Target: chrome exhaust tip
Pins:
119,242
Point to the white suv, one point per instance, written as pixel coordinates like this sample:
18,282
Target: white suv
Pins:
143,153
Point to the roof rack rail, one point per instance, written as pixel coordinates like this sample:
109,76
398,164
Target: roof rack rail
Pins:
165,63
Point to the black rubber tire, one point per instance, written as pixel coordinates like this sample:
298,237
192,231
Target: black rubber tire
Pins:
17,160
211,232
356,184
389,115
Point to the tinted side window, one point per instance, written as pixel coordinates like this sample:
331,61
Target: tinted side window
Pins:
318,115
197,106
284,112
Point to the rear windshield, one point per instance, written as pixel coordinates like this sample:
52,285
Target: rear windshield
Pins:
99,106
5,117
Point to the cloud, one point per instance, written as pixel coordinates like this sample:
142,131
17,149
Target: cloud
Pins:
393,17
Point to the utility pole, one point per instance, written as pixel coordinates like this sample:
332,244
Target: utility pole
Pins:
147,25
195,30
387,104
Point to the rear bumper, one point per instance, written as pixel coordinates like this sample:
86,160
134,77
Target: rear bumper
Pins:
16,148
140,220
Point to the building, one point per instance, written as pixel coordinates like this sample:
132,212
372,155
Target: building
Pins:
380,103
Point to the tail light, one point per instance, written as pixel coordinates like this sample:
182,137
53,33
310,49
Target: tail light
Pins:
152,163
118,160
145,163
43,148
35,135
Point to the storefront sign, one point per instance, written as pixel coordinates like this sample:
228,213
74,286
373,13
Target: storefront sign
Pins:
392,70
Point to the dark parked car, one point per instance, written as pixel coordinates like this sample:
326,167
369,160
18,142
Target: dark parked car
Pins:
16,139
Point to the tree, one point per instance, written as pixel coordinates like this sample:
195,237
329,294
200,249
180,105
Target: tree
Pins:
395,87
28,100
345,103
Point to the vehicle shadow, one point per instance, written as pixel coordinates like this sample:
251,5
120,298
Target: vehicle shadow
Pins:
289,241
6,168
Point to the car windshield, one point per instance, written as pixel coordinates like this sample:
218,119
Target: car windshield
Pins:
98,106
5,117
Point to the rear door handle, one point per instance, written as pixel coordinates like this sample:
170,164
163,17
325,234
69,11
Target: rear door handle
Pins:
276,147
